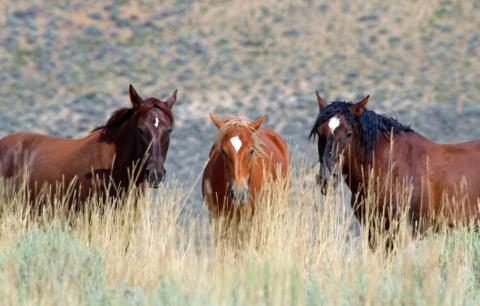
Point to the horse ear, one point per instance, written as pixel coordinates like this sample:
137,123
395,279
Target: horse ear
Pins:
257,123
321,102
134,97
217,121
358,108
172,99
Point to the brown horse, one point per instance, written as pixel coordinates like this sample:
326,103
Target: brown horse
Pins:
241,160
107,156
374,152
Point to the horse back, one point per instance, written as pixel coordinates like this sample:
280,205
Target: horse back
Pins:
14,147
46,157
24,142
437,172
470,147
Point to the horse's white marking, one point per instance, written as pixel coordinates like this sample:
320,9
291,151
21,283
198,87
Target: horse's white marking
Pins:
156,122
236,143
333,123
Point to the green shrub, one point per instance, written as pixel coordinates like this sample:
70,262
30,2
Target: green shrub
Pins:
52,262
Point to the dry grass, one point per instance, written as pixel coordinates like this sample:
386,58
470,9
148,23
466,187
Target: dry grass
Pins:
298,250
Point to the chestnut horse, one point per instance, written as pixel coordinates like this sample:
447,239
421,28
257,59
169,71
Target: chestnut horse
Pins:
107,156
241,160
374,152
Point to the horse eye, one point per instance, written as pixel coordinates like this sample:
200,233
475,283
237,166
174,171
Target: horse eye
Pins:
223,152
349,134
170,130
251,151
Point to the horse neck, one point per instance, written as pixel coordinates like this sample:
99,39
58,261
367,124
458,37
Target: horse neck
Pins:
356,166
126,155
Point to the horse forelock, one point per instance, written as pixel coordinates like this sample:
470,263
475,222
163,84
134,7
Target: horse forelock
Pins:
156,103
369,125
334,108
232,123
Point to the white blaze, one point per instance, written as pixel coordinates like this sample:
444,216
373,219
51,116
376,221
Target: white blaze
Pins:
236,143
333,123
156,122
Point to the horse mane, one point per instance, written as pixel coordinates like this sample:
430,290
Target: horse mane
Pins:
120,116
372,125
233,122
116,120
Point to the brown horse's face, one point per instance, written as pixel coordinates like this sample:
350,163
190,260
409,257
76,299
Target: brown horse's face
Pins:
335,137
238,153
154,123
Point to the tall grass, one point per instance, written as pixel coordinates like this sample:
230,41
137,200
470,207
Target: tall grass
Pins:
298,249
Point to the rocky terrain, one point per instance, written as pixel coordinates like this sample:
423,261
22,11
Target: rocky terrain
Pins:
66,65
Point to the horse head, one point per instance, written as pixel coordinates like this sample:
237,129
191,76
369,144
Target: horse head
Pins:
336,131
237,145
153,121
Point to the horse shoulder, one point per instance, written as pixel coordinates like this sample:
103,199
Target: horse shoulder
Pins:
404,158
433,168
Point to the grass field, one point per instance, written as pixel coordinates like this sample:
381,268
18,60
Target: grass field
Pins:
299,250
66,65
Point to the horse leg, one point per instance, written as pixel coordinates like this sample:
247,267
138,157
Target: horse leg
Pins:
376,226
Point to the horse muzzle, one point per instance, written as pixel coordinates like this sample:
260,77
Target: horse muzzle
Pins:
155,177
239,196
323,178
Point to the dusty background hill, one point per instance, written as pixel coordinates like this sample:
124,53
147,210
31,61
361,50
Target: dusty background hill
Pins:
66,65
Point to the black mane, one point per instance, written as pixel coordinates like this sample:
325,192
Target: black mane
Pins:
371,125
116,120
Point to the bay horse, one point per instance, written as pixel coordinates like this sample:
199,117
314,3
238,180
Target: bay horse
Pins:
375,152
106,156
242,159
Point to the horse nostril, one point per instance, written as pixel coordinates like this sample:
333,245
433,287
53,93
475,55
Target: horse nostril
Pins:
245,197
324,188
